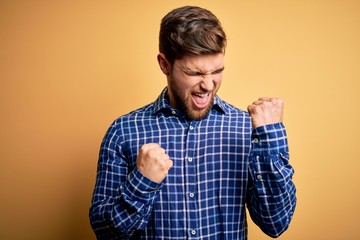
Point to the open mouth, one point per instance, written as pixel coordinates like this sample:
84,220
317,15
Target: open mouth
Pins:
201,100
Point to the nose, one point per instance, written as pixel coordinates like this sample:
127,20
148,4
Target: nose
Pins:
207,82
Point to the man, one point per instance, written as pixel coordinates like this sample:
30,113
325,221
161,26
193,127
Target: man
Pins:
187,165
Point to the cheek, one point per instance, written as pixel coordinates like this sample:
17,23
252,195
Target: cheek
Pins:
216,85
183,85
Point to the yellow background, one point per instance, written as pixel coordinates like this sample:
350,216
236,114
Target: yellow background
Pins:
69,68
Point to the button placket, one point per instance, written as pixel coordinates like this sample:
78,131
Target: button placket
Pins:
191,179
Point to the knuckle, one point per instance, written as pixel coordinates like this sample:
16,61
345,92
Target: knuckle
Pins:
267,103
278,100
151,153
143,148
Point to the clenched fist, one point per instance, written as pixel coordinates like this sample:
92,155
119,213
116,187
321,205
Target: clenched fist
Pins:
153,162
266,111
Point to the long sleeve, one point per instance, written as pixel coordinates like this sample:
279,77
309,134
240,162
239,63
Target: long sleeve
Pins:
122,200
271,198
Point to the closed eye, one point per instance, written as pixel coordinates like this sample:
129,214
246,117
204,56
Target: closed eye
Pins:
220,70
197,73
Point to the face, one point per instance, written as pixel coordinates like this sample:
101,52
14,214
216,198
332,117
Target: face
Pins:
193,82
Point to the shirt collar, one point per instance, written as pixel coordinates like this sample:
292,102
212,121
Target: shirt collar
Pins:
162,103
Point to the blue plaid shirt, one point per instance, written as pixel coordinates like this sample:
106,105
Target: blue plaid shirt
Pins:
220,166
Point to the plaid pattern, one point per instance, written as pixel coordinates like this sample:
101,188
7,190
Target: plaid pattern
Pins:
220,165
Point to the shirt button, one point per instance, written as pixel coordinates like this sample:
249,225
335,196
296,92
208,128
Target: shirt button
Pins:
192,195
256,140
190,159
191,127
173,112
259,177
193,232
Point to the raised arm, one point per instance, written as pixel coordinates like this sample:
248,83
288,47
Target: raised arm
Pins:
123,198
271,198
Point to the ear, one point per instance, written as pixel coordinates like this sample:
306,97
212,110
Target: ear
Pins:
164,64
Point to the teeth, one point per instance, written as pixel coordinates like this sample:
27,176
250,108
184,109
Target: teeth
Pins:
201,95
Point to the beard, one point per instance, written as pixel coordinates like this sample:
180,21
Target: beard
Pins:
185,106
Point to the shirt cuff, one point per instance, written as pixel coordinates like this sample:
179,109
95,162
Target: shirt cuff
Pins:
139,187
269,139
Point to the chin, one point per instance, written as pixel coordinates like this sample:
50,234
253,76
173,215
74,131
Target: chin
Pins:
198,115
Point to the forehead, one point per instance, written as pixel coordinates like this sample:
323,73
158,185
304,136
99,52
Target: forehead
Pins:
203,63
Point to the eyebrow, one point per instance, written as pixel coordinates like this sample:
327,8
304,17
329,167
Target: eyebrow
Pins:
191,72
